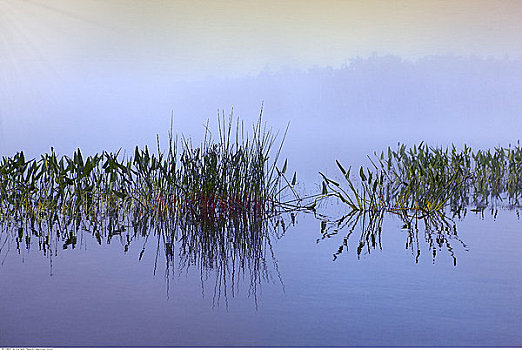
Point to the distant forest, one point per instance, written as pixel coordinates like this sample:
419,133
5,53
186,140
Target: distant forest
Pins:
384,88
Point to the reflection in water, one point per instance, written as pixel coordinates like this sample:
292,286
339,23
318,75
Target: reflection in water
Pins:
226,252
436,229
232,250
440,231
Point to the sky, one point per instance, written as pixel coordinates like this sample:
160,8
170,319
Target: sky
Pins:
108,74
195,39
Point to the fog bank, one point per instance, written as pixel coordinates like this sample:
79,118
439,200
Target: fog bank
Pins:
333,113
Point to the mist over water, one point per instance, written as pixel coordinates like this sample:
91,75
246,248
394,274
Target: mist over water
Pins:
334,113
193,263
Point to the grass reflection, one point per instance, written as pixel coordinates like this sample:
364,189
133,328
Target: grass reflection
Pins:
435,229
231,255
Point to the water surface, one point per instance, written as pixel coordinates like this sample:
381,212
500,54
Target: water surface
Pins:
100,295
286,288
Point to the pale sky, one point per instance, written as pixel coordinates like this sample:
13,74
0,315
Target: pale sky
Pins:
193,39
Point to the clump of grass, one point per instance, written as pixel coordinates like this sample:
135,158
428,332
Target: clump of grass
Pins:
234,175
429,179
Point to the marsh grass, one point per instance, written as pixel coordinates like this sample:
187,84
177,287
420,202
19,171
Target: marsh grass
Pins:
230,184
234,175
429,179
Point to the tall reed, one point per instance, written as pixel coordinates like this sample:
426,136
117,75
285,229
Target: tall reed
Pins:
237,173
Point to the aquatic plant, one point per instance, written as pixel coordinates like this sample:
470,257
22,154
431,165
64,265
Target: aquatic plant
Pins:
236,174
420,185
429,179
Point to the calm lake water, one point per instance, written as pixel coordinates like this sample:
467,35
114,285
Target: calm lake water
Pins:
281,288
288,290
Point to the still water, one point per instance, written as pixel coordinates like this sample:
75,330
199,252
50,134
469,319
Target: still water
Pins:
283,288
108,77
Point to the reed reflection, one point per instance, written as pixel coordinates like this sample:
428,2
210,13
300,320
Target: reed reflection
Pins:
233,255
228,253
437,230
427,232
